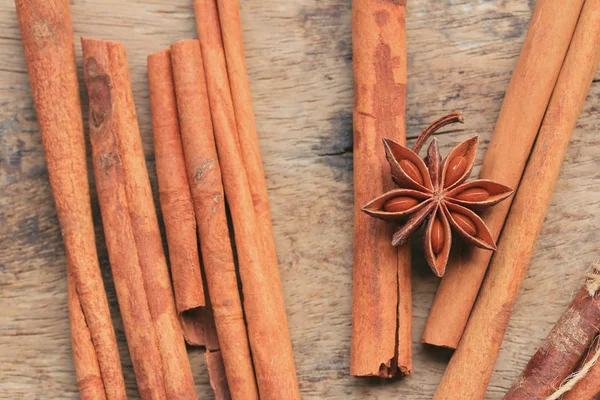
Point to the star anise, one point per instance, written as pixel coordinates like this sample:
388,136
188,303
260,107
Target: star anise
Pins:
435,190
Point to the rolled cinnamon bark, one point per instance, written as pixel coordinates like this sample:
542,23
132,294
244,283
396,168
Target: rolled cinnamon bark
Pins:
179,382
177,208
561,352
265,311
233,43
381,297
527,97
118,152
47,36
470,368
204,177
104,121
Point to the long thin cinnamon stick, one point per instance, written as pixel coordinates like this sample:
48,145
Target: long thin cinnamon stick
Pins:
527,96
231,31
562,350
47,36
105,120
470,368
381,297
206,186
177,207
265,311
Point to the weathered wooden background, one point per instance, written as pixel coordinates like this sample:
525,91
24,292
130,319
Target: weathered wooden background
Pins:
461,54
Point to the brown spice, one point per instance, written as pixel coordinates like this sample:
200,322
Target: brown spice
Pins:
265,311
176,204
55,91
548,38
104,122
433,195
381,293
204,176
471,366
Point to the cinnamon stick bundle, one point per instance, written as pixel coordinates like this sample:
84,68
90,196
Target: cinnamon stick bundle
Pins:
263,304
563,349
470,368
527,96
381,305
176,204
204,177
47,36
133,238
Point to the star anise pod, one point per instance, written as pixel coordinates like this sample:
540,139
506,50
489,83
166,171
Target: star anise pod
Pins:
435,190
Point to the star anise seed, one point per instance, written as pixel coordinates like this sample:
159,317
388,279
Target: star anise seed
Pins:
435,190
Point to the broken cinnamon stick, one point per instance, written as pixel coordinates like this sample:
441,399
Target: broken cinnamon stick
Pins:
381,297
268,331
563,349
104,121
550,32
204,177
177,208
470,368
47,36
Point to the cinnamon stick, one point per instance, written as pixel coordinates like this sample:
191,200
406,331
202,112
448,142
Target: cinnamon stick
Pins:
381,308
233,43
176,205
47,36
204,177
562,350
470,368
119,157
263,304
527,96
98,64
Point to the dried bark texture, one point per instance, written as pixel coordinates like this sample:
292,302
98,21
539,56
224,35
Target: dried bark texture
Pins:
589,386
471,366
526,99
99,62
47,36
216,370
179,382
233,44
87,369
176,205
265,311
381,297
204,176
561,352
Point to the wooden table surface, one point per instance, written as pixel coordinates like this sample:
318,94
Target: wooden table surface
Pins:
461,55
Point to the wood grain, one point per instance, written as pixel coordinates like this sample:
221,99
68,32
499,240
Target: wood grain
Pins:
460,54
